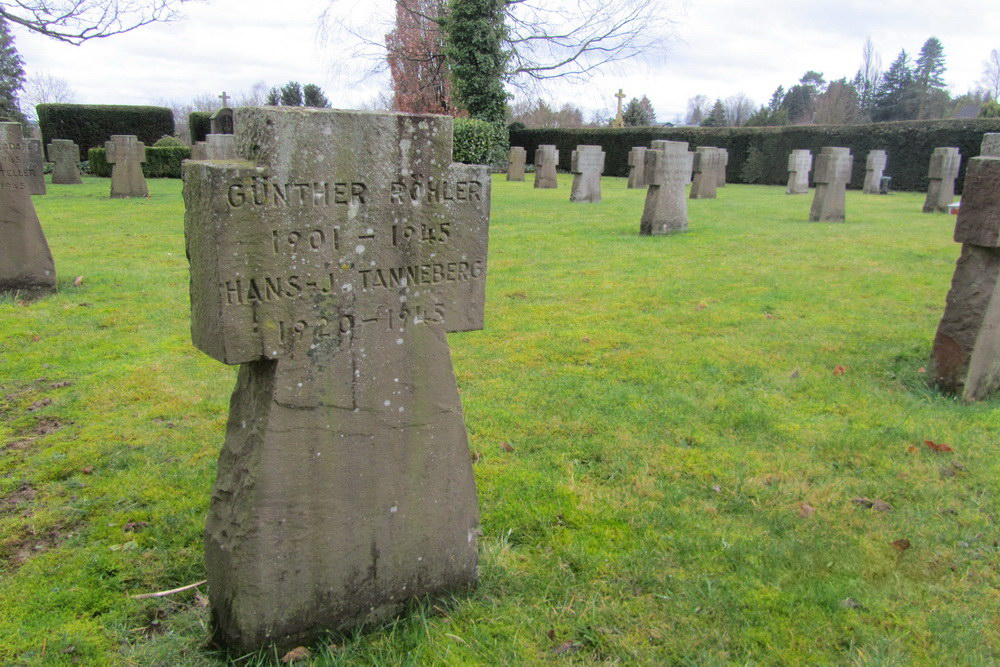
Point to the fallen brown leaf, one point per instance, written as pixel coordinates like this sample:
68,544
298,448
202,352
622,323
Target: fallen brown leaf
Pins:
839,370
769,316
901,545
551,634
938,446
921,370
35,338
89,470
296,654
806,510
912,449
506,446
78,281
201,600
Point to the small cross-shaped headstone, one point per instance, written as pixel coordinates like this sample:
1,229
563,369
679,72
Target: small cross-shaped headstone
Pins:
331,268
126,154
515,163
833,171
723,163
874,168
942,172
546,159
65,155
706,172
225,99
25,261
637,167
587,165
668,171
800,163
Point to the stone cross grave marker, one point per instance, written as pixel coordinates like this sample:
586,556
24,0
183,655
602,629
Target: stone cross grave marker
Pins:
515,163
800,163
66,156
126,154
25,261
637,167
221,122
833,171
587,165
668,170
225,99
546,159
723,163
619,117
706,172
874,167
942,172
966,355
36,166
331,266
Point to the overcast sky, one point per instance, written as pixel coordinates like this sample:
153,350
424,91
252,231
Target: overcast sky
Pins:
720,48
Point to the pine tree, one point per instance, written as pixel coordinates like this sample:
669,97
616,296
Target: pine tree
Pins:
928,82
312,96
639,113
273,98
11,76
291,94
717,116
894,99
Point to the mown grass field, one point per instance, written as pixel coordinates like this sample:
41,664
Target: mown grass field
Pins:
700,426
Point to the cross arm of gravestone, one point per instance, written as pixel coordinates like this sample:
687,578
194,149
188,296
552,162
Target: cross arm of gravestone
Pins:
310,240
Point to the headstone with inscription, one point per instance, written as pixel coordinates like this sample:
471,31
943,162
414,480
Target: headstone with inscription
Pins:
706,172
723,163
126,154
833,171
874,167
668,171
637,167
799,165
515,163
25,260
942,173
330,263
221,122
36,166
966,355
65,156
546,159
587,165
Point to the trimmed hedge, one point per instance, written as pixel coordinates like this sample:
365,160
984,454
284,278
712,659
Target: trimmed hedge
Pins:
908,143
161,161
90,125
478,142
200,125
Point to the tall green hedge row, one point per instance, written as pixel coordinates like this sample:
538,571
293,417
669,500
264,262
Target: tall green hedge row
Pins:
909,145
200,124
478,142
161,161
90,125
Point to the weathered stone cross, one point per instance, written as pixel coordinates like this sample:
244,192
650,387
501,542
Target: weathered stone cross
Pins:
225,99
619,118
66,156
126,154
832,172
330,263
942,172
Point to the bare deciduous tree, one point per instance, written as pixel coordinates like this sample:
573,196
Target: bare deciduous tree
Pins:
43,88
697,110
739,108
991,74
76,21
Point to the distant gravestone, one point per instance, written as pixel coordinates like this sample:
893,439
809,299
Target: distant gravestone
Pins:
942,172
331,268
126,154
546,159
966,355
874,167
833,171
668,171
199,150
587,165
221,122
723,163
220,147
25,260
36,166
800,163
637,167
991,144
706,172
515,163
65,155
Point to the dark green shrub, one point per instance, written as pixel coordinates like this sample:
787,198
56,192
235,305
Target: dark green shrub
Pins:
90,125
479,142
161,161
754,167
908,143
168,141
200,125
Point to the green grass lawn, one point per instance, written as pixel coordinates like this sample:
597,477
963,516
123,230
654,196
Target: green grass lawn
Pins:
688,462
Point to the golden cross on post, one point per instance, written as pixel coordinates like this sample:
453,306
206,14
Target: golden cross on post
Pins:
619,119
225,99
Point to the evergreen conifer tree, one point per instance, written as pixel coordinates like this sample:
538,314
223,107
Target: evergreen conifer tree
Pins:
291,94
928,82
312,96
717,116
11,76
894,99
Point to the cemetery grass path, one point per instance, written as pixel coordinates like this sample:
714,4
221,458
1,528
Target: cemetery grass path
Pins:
698,449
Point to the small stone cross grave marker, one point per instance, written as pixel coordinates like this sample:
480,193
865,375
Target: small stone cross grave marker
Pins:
874,168
706,172
126,154
65,155
799,165
25,261
966,355
833,171
637,167
546,159
330,266
668,171
587,165
723,163
942,172
515,163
